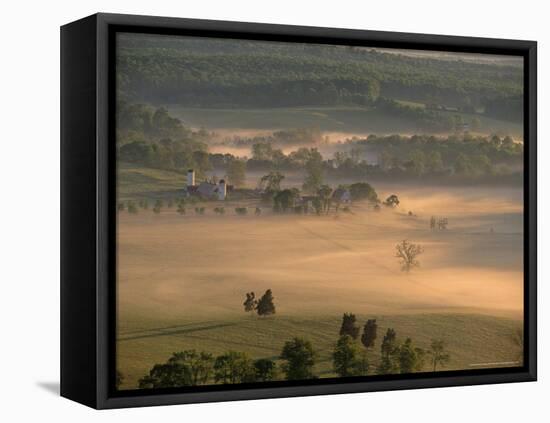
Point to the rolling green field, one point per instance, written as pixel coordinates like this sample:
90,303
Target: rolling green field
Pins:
136,182
343,119
474,341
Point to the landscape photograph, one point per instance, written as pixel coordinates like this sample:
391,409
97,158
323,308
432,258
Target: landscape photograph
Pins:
290,211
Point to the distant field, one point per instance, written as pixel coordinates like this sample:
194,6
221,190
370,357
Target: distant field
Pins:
338,120
182,279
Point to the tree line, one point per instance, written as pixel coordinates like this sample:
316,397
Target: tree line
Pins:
298,358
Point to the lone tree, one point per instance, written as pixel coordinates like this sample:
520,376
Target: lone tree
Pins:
369,333
347,360
132,209
250,302
265,369
158,206
265,305
324,192
407,252
349,326
299,359
392,201
438,353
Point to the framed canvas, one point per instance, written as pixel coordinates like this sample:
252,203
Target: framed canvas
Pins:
257,211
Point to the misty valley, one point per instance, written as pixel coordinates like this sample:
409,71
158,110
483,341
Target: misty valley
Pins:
292,212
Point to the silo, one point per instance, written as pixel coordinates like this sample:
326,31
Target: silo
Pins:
222,190
190,178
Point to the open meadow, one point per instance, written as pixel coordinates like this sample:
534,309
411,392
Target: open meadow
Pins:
182,279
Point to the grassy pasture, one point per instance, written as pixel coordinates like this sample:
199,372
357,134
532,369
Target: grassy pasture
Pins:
473,340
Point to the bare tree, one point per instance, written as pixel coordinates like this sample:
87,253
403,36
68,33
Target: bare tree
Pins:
407,252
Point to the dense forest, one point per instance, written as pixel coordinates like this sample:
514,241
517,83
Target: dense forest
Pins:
231,73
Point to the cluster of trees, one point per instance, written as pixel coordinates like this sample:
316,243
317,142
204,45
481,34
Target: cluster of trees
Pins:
350,360
461,156
439,223
256,74
265,306
192,368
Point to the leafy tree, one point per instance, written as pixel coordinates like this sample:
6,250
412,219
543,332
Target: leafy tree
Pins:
284,200
132,209
369,333
438,353
317,205
234,367
462,165
262,151
314,171
434,162
265,305
392,201
250,302
265,369
349,326
236,172
411,359
407,252
158,206
324,193
272,181
201,159
299,359
388,350
363,191
417,160
347,360
186,368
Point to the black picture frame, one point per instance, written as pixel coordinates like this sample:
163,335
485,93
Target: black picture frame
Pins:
88,268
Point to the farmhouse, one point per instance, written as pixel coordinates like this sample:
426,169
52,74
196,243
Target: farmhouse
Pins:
206,190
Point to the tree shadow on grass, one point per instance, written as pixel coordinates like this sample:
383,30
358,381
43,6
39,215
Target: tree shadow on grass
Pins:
164,332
